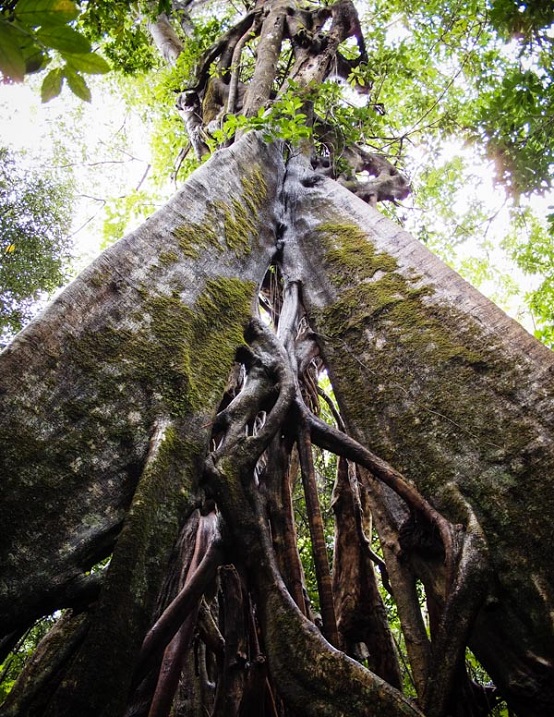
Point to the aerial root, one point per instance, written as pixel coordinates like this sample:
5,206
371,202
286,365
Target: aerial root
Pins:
205,561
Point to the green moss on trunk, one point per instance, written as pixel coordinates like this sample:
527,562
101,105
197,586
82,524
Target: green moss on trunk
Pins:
422,357
442,396
184,354
179,354
229,224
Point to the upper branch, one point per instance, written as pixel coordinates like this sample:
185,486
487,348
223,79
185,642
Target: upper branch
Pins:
227,82
268,52
165,38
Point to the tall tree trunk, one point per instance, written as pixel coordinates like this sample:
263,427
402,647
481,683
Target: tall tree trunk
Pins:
107,405
110,442
441,383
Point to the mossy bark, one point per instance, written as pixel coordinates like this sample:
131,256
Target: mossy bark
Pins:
141,343
437,380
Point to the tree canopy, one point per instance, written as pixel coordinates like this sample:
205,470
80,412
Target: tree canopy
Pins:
35,248
168,423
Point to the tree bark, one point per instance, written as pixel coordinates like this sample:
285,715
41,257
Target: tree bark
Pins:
165,38
110,398
107,405
456,395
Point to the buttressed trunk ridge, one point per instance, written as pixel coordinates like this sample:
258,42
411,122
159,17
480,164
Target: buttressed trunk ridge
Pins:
164,412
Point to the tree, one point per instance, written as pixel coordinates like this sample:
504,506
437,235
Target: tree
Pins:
35,248
163,409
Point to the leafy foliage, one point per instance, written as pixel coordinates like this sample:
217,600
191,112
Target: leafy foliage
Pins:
136,205
438,71
34,244
124,39
526,21
13,664
514,121
283,120
33,33
531,244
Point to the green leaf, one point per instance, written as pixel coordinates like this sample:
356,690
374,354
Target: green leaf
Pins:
77,84
12,62
164,6
90,62
46,12
65,39
51,85
35,61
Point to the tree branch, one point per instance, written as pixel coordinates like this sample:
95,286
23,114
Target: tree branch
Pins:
235,68
165,38
268,51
